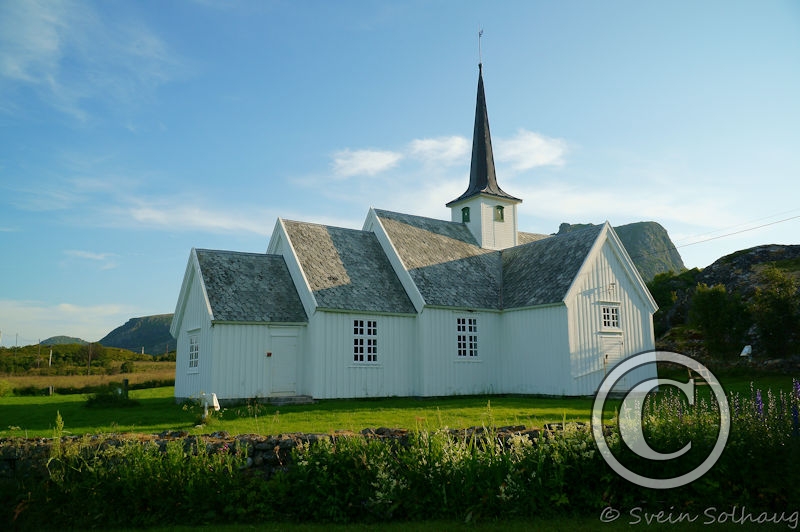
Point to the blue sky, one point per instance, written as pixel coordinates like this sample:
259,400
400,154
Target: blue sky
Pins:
131,132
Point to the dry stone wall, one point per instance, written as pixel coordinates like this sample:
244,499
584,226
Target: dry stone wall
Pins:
27,458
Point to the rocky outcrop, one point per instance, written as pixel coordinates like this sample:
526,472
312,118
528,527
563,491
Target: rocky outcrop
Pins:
739,271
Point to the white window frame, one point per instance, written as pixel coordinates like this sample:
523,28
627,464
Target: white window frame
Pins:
194,352
610,316
365,341
467,337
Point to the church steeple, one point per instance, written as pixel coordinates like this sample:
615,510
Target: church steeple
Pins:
487,210
482,178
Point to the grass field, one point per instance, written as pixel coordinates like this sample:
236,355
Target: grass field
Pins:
157,412
145,371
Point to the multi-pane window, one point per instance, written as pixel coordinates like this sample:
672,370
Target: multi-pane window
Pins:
467,329
611,317
465,215
194,352
365,341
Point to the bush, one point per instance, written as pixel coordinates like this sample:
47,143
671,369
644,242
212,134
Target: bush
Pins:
111,398
451,475
776,311
722,318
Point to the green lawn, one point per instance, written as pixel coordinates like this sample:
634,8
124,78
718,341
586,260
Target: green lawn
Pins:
157,412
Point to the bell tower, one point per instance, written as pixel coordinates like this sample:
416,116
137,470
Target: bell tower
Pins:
488,211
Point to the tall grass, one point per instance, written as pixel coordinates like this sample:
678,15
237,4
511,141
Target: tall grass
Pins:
429,474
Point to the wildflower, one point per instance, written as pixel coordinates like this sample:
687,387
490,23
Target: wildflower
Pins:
796,387
795,421
759,404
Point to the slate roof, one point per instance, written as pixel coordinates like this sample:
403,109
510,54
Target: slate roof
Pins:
525,238
542,271
347,269
450,269
445,261
249,287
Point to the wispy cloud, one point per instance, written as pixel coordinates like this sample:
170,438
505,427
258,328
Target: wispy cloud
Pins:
71,55
195,215
528,150
349,163
440,150
106,261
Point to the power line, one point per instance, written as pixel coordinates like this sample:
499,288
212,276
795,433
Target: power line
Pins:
674,247
738,225
738,232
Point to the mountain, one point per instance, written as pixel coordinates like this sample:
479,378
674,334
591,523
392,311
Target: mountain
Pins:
148,332
63,340
648,244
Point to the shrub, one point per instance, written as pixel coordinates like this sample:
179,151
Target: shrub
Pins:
113,397
443,474
722,318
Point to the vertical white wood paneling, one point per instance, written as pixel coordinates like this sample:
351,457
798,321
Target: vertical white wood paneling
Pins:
605,280
442,371
536,349
335,372
195,317
242,369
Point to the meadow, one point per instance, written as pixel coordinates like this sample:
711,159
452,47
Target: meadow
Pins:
434,480
154,410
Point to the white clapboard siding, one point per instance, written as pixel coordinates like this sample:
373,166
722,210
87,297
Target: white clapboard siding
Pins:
536,351
243,367
334,374
441,371
605,281
194,317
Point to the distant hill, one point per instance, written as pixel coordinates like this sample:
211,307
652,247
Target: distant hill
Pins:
648,244
63,340
148,332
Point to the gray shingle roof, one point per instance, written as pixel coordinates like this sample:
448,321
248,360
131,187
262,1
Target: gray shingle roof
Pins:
445,261
347,269
542,271
526,238
249,287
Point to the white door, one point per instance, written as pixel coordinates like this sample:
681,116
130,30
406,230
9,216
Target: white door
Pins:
611,350
283,364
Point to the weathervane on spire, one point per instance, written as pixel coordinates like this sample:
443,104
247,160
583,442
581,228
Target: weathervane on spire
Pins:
480,55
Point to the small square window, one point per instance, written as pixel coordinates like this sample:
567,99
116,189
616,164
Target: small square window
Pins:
611,317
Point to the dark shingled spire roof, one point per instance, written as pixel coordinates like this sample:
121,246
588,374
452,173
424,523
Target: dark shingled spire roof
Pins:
482,179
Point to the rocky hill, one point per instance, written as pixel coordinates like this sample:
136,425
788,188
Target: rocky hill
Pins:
148,332
648,244
739,271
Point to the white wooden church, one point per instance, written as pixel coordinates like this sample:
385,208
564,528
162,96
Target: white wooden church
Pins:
413,306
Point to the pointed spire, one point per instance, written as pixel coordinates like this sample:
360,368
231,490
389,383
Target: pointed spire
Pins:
482,178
